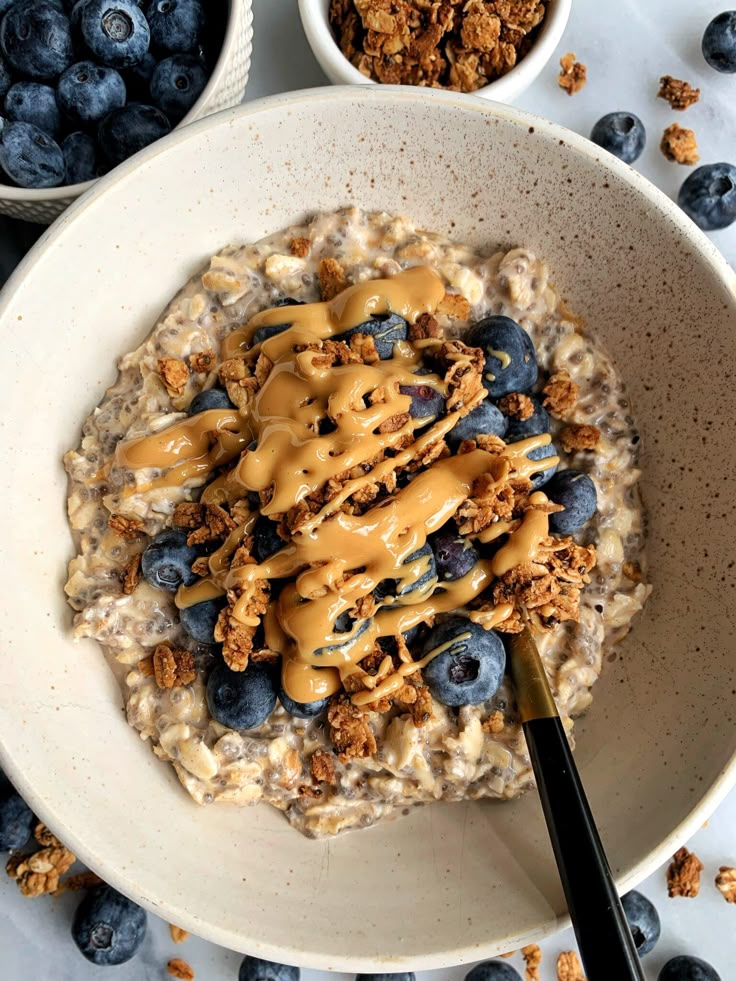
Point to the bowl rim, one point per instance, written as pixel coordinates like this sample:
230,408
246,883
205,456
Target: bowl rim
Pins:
124,880
315,21
35,195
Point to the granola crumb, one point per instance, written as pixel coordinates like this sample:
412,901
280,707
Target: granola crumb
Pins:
560,393
494,723
573,74
178,968
679,145
517,405
455,306
132,574
532,955
683,874
174,373
332,278
580,438
678,93
127,528
726,883
173,668
568,967
202,362
178,935
300,247
349,730
322,767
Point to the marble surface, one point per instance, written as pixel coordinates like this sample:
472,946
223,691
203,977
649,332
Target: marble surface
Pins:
627,46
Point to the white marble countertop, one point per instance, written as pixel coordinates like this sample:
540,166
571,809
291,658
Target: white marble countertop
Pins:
626,45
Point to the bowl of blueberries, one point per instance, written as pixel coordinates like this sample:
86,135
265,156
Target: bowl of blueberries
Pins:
85,84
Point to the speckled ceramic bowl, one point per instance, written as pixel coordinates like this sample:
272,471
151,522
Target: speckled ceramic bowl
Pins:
449,883
225,88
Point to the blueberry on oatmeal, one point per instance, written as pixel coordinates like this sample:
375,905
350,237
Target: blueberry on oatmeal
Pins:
471,663
511,361
303,710
16,817
426,402
167,562
534,425
241,699
108,928
540,478
719,42
256,969
210,398
386,329
622,134
487,420
421,571
266,539
200,619
576,492
454,554
708,196
34,102
643,920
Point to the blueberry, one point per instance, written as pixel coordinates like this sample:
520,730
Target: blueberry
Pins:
30,157
511,362
241,699
411,637
255,969
126,131
493,971
177,83
108,928
684,968
622,134
75,17
535,425
210,398
199,620
643,921
486,419
302,710
87,92
352,630
167,562
138,77
34,102
540,478
719,42
5,79
426,403
266,540
471,665
454,554
80,156
576,492
271,330
115,31
16,817
402,976
5,5
427,578
385,329
708,196
175,24
36,40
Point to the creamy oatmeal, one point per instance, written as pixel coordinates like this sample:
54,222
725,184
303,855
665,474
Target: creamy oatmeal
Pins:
312,437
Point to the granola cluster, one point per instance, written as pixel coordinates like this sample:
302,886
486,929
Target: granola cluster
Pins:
453,44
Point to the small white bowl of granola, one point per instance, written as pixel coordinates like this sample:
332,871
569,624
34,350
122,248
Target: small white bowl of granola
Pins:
471,48
248,399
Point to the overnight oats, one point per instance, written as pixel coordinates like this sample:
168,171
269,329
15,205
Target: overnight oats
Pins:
347,462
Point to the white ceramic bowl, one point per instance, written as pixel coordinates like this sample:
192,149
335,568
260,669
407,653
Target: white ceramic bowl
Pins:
449,883
225,88
315,20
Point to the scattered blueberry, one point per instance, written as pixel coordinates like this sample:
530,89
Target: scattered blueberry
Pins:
167,562
34,102
241,699
29,156
302,710
266,540
255,969
576,492
175,24
138,78
177,83
87,92
427,578
643,920
80,156
126,131
402,976
426,403
454,554
210,398
511,361
540,478
486,419
36,40
5,79
115,31
493,971
470,668
708,196
108,928
199,620
622,134
16,817
719,42
684,968
385,329
535,425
